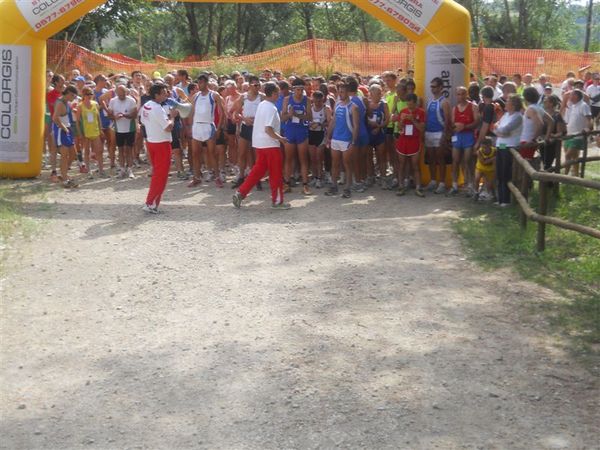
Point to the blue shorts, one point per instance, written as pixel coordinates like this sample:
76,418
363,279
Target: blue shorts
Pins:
377,139
61,137
463,140
296,134
363,140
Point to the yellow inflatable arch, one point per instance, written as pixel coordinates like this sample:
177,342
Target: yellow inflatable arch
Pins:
440,30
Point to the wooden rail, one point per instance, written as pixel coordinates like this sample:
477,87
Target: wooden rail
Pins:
524,173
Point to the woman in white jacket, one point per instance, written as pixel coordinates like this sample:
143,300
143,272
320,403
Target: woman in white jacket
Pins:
508,130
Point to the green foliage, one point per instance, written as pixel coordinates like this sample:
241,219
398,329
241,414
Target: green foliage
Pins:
570,265
13,220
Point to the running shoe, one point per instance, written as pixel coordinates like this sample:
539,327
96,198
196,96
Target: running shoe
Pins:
237,183
237,199
318,183
358,187
419,192
401,191
130,173
103,174
286,188
149,209
83,169
453,191
347,193
182,175
441,189
70,184
431,186
195,182
218,182
306,190
332,191
280,206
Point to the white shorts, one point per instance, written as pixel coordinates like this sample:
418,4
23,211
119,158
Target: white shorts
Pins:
203,131
433,138
340,146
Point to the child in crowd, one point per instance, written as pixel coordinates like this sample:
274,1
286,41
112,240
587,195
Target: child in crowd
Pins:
408,145
485,170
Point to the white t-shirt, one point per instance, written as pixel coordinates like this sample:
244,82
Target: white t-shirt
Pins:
575,116
591,91
266,116
155,119
126,106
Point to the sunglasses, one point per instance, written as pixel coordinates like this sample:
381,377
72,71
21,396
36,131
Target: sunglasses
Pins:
255,85
87,95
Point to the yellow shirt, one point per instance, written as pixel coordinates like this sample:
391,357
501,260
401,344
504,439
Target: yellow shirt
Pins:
90,120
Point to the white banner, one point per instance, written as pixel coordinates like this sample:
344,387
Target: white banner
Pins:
40,13
413,14
15,90
448,63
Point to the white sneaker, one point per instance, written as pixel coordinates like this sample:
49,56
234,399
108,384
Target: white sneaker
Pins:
130,173
441,189
431,186
318,183
149,209
122,173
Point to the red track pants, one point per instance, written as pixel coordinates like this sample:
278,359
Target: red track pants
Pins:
266,159
160,155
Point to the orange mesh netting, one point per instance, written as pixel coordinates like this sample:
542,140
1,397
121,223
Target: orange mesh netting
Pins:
323,56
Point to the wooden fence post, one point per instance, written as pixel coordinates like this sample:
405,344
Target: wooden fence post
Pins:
585,154
543,210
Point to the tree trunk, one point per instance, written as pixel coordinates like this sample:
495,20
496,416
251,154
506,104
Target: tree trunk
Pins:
209,28
307,13
238,29
509,23
588,27
193,25
332,24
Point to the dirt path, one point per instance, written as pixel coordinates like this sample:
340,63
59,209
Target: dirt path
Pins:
337,324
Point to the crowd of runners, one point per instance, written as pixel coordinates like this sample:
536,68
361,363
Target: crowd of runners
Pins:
342,134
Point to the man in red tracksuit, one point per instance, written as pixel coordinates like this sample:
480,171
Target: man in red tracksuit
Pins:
158,125
266,139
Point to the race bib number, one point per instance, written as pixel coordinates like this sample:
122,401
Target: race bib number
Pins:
409,129
90,117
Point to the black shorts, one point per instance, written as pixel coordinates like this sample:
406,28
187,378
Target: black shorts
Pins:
246,132
175,143
231,128
316,138
595,111
221,139
125,139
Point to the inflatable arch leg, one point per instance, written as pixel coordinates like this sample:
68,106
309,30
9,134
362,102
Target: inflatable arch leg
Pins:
440,30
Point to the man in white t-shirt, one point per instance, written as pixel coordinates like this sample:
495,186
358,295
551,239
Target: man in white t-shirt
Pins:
578,117
158,127
593,92
123,109
267,140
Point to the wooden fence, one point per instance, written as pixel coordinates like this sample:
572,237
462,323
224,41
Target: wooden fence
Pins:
523,175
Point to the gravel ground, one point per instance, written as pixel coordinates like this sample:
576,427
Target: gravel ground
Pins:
338,324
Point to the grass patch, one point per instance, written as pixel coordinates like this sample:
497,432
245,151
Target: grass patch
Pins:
14,222
570,265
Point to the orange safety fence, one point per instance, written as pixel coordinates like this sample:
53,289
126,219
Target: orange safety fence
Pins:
324,57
